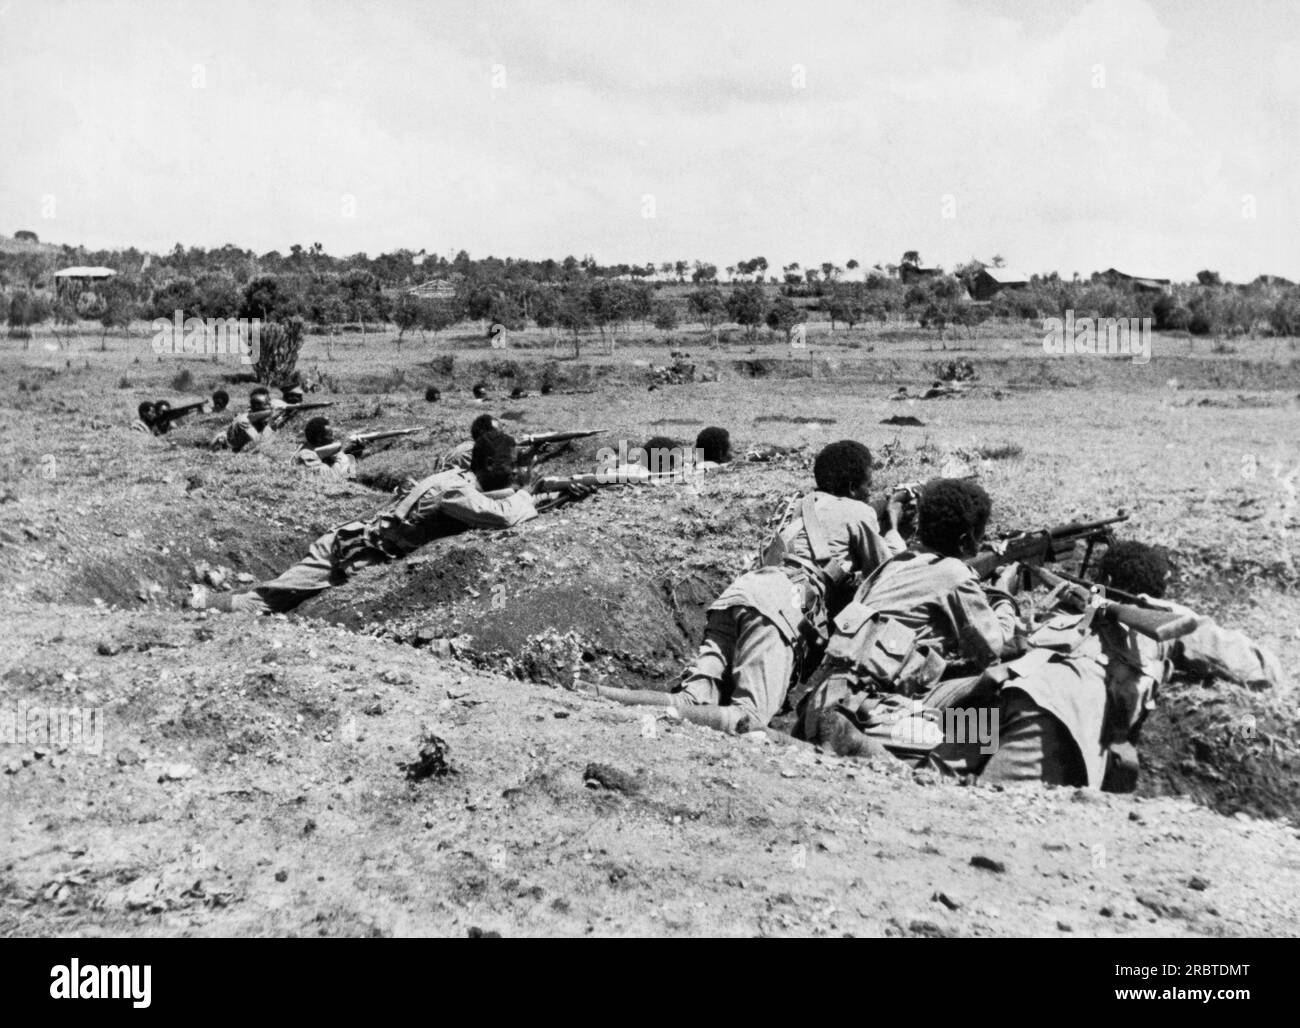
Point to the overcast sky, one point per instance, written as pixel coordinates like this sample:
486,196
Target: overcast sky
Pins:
1066,135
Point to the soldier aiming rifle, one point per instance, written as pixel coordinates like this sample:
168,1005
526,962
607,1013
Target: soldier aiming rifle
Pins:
323,453
165,414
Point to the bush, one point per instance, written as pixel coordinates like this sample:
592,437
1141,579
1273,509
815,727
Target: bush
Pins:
183,381
664,313
1001,451
278,349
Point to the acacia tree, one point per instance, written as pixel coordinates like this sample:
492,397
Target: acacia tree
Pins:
118,308
25,310
65,317
707,304
574,314
406,315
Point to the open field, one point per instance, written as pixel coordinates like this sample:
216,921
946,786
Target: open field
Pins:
248,779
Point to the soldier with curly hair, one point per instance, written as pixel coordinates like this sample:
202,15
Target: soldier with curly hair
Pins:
764,623
919,617
1071,710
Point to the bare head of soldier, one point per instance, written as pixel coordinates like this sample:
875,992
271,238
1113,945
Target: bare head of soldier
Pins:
662,454
714,444
220,400
161,424
318,432
493,461
1135,568
146,412
482,425
259,399
952,516
844,469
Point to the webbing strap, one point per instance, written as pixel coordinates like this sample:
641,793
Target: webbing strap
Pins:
413,497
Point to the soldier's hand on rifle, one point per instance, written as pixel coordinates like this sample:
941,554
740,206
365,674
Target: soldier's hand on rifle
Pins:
578,491
1009,579
896,508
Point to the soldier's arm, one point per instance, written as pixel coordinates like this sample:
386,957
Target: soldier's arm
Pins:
1212,651
868,548
479,510
986,625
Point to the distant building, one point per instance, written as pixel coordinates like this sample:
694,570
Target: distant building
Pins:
72,282
434,289
991,281
1141,283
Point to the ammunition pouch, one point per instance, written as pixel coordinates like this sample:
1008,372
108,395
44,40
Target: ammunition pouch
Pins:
869,656
882,654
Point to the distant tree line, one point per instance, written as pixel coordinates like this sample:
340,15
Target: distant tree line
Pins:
576,297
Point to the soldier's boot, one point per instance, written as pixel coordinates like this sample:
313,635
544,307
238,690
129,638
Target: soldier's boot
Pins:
835,732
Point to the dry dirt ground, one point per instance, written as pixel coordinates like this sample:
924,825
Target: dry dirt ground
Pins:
253,774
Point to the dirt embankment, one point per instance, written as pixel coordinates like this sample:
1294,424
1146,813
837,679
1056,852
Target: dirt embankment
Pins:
265,778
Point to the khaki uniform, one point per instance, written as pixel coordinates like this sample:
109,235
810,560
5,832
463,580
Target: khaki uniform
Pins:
1069,702
341,465
942,600
749,651
441,505
917,616
244,435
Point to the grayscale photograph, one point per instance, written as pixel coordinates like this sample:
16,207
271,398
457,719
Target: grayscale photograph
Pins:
673,469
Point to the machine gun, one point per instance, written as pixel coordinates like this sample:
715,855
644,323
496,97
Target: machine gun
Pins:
1047,545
